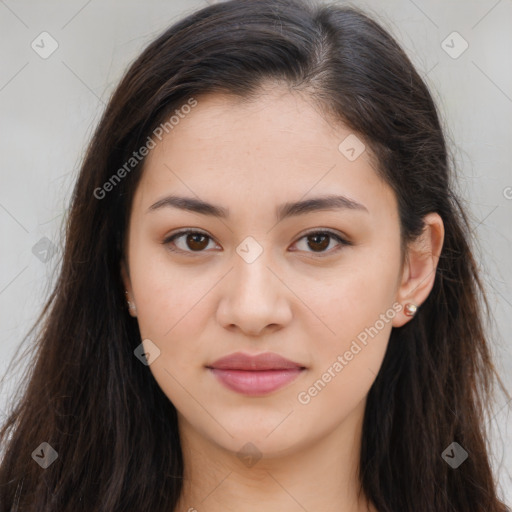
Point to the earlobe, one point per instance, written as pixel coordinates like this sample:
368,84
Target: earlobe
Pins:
419,270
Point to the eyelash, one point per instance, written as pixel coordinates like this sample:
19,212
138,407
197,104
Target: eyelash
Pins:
331,234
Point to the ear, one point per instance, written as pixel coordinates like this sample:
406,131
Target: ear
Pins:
125,277
420,264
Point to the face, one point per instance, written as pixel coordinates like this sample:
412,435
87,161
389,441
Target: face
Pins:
317,286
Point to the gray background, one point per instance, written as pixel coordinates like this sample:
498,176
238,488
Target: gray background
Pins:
49,107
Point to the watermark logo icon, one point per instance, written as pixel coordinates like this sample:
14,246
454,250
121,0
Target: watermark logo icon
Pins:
249,454
454,45
249,249
44,249
44,45
454,455
351,147
45,455
147,352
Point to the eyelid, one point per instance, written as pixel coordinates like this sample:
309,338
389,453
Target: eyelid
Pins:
341,239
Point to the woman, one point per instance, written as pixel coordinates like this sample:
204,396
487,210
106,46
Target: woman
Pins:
267,300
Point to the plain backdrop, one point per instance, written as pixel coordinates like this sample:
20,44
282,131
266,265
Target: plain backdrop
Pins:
50,104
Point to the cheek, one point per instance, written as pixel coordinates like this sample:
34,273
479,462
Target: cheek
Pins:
167,295
347,362
170,316
353,296
356,312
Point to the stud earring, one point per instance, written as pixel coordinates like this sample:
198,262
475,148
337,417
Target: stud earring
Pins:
131,305
410,309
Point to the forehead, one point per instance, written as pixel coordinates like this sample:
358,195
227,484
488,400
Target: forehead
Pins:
258,126
277,145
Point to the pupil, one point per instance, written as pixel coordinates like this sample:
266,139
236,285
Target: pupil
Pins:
194,238
323,245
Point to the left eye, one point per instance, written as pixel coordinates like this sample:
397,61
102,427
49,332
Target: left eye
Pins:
197,241
320,240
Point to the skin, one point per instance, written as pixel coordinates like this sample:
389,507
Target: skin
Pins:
305,301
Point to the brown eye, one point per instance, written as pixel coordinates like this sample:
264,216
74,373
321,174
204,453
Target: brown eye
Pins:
190,241
319,241
196,241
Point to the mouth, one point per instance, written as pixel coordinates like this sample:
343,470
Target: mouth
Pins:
255,375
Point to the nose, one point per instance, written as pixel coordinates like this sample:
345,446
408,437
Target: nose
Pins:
254,299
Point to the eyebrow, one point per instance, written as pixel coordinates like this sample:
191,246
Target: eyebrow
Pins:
290,209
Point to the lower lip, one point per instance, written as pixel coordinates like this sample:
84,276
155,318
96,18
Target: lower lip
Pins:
256,382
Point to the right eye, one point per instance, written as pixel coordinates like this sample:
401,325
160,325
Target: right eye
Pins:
193,241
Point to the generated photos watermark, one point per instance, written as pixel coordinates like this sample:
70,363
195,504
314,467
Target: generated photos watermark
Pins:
138,156
305,397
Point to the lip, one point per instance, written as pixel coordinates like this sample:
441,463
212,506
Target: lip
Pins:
255,375
259,362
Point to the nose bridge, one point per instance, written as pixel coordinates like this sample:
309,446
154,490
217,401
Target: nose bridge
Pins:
253,298
251,266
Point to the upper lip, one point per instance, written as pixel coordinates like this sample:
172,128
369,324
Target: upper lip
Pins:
265,361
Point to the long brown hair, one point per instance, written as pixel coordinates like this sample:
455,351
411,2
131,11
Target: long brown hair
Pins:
86,394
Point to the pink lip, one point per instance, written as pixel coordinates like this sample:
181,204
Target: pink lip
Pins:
255,375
